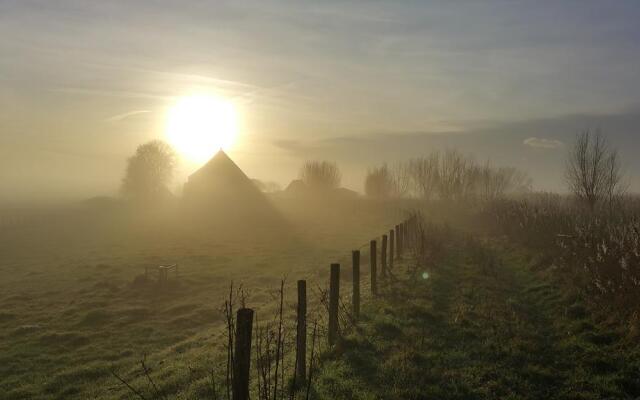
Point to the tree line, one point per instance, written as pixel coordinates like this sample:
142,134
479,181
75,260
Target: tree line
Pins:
449,175
593,175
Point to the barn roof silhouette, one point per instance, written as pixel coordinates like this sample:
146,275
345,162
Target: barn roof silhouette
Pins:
220,176
220,168
220,187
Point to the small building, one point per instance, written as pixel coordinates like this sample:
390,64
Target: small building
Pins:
221,188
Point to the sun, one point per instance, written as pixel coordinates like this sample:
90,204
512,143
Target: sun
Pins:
199,125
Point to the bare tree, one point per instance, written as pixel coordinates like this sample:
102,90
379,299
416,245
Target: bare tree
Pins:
425,175
149,171
492,183
614,180
495,183
380,182
470,180
454,175
593,171
321,174
401,179
521,182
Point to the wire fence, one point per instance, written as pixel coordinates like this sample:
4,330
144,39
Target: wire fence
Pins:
340,308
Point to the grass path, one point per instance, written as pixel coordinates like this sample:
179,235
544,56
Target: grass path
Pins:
470,332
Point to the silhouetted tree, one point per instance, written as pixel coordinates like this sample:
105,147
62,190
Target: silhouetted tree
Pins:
321,174
453,176
456,175
521,182
401,174
495,183
424,175
149,171
380,182
615,187
593,171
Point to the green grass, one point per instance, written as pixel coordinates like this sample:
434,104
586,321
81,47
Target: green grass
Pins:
71,310
483,325
472,333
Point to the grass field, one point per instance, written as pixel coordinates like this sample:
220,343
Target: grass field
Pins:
70,311
474,330
476,320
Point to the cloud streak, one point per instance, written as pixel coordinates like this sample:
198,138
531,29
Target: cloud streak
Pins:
543,143
120,117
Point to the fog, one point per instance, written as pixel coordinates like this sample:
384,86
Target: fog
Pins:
415,194
36,173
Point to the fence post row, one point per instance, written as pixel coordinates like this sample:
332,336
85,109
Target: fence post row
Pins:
242,361
392,254
355,259
334,298
244,317
301,338
374,267
383,256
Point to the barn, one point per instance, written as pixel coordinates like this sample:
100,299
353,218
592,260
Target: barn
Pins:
221,188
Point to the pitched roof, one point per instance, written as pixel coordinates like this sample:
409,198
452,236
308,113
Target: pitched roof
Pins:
220,166
221,178
220,190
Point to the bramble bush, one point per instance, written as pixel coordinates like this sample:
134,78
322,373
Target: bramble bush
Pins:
599,253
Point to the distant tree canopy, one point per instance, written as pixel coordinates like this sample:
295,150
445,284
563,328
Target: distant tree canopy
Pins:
593,171
149,171
380,182
448,175
321,175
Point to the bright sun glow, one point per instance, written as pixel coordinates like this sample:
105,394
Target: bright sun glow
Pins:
200,125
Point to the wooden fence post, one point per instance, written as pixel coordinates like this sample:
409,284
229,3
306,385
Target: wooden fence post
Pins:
407,232
355,258
374,267
403,241
383,256
392,253
242,361
301,338
334,299
414,232
398,242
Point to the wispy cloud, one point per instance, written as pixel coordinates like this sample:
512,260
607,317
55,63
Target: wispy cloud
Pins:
120,117
543,143
112,93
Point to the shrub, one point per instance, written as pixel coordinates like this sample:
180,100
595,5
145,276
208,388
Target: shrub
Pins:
321,175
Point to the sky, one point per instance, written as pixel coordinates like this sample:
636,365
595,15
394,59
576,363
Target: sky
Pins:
83,83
